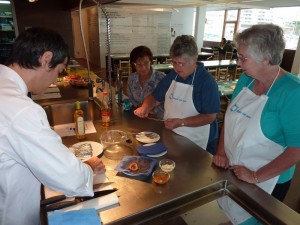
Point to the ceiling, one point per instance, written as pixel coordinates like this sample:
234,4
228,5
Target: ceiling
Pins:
210,4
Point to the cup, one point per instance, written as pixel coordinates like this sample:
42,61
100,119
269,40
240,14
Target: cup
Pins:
126,104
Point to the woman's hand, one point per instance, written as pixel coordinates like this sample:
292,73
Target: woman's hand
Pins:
173,123
141,112
243,173
221,160
96,164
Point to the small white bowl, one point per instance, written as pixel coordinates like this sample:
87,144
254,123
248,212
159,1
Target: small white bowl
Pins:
167,165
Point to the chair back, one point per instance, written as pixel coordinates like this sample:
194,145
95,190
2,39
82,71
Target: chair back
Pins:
228,55
125,66
216,55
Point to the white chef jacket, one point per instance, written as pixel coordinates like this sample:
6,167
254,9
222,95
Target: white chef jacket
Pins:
30,154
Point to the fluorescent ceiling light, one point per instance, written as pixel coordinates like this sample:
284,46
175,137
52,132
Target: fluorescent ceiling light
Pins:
5,2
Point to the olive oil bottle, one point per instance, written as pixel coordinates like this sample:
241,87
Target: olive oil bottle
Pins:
79,121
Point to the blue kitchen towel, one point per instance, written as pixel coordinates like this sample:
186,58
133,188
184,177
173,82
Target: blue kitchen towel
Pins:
75,217
154,149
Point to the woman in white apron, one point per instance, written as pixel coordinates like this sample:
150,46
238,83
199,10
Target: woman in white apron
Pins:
190,96
253,152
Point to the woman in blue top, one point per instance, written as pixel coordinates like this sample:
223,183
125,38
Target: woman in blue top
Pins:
144,79
189,94
260,139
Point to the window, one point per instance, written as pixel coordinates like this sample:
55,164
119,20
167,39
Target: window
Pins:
287,17
214,25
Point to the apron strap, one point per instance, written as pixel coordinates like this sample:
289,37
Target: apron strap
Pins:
192,80
272,82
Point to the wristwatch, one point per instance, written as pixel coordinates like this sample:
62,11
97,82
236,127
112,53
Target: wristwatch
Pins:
182,123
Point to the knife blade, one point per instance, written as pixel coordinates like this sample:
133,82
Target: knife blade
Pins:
52,200
79,199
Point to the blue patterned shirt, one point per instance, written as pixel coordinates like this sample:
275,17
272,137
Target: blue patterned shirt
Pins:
137,93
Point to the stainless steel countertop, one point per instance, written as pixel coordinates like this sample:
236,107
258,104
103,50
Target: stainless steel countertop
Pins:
194,181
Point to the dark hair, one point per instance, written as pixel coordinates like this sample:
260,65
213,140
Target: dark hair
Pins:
184,45
140,52
33,43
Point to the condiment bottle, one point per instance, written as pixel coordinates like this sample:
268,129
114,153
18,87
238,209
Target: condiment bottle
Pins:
105,110
79,121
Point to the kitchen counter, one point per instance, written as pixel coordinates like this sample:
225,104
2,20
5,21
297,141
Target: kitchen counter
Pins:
194,182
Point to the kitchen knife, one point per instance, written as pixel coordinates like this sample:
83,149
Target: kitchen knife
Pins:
59,198
52,200
64,204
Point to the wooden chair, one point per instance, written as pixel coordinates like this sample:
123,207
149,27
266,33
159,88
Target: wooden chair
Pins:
124,65
238,72
213,72
228,55
154,61
223,74
168,61
216,55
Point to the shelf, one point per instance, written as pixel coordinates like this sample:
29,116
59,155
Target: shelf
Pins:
10,17
7,30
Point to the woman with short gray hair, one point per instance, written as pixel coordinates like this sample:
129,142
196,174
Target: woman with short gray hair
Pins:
260,138
190,96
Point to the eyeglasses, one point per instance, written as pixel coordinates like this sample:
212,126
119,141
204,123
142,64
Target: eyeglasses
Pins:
145,64
241,58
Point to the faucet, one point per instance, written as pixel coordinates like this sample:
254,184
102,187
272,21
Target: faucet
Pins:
119,87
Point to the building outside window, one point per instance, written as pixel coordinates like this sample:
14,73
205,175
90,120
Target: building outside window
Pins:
288,18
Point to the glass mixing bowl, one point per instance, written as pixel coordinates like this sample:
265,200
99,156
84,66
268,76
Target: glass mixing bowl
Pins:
114,144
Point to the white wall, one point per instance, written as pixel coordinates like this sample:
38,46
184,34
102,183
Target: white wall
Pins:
296,63
199,25
182,21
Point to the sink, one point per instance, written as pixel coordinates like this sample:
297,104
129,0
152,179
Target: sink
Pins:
62,113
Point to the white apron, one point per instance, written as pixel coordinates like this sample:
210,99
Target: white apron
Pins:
179,104
246,145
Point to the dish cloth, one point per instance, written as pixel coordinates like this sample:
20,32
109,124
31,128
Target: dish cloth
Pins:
154,149
76,217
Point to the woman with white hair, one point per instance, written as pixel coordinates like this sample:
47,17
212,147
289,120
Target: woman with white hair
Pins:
260,138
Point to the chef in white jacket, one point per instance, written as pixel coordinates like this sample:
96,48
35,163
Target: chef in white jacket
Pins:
31,153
